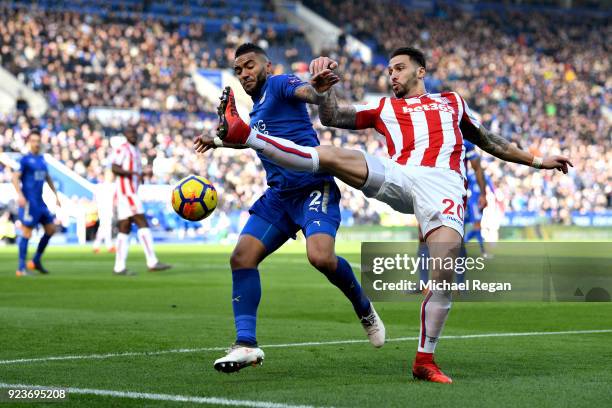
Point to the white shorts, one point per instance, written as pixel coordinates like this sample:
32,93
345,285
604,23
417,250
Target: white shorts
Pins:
436,196
128,206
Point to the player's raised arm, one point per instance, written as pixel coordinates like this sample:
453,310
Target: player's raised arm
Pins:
333,114
317,91
508,151
320,92
503,149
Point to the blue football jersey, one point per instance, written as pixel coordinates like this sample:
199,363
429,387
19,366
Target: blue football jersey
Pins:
472,183
33,169
278,113
470,151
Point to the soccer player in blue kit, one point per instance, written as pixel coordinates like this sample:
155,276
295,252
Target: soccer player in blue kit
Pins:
28,182
477,182
293,201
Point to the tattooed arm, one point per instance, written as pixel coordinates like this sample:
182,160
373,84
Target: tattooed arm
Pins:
340,116
507,151
330,113
320,85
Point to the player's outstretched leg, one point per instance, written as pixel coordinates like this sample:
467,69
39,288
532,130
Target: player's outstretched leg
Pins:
231,128
351,166
356,168
443,242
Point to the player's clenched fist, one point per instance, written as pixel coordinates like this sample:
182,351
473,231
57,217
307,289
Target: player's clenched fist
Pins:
321,63
324,80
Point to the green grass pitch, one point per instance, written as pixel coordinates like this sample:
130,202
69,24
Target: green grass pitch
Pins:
81,310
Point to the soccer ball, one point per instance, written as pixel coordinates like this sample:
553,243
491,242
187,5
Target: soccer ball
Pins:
194,198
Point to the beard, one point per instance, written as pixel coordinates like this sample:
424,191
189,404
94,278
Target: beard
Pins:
260,80
402,89
400,93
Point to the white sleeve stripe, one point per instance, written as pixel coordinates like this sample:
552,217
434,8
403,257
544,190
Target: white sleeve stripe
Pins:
368,106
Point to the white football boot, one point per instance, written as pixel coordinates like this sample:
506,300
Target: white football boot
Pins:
239,357
374,327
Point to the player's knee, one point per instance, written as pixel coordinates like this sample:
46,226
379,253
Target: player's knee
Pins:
242,259
324,262
26,233
50,229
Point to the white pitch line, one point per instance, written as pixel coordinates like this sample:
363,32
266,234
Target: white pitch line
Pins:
161,397
287,345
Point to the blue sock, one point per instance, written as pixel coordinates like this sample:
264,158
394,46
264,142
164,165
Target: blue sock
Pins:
463,250
469,235
480,240
344,279
41,247
23,252
423,253
246,293
460,277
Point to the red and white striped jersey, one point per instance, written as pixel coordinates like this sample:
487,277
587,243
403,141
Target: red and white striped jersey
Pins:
422,130
127,157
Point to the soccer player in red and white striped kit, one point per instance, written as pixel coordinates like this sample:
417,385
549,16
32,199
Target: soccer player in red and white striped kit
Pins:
127,168
424,174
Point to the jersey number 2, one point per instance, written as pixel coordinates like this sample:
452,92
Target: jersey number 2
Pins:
316,200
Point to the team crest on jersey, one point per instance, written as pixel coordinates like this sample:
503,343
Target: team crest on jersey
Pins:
293,80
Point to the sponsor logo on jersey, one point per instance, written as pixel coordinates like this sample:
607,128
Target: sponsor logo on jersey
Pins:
442,107
260,126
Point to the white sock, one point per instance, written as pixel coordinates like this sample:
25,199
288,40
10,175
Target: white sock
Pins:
104,234
284,152
98,240
123,242
434,311
108,235
146,240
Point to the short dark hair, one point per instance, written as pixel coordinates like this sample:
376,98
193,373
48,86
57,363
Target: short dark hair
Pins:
249,47
415,55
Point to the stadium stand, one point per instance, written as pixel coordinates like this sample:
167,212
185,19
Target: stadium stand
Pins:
542,81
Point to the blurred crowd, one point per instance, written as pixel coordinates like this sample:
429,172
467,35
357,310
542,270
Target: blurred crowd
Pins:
541,81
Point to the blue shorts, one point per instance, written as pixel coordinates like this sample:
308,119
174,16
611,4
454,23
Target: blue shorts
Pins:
33,214
278,216
473,213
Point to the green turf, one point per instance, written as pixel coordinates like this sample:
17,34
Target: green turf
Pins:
81,309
